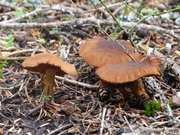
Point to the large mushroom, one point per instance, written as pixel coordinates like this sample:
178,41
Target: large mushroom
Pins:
48,65
126,75
98,52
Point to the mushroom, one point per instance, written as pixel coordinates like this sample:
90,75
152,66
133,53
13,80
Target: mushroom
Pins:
48,65
98,52
126,75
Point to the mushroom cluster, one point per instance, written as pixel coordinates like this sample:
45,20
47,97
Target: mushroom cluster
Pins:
119,65
48,65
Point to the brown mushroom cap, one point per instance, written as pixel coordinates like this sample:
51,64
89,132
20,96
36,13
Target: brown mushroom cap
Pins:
129,71
42,61
98,52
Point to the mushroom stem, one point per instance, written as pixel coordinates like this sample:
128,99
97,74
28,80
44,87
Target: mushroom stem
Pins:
41,76
135,86
138,89
48,81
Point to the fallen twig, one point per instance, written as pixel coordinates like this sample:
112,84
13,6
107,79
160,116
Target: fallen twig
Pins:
9,5
36,109
8,54
76,82
40,9
61,128
102,121
128,123
91,20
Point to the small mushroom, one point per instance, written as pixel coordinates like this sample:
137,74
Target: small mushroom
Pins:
127,74
48,65
98,52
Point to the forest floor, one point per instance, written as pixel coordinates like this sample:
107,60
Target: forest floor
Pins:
30,28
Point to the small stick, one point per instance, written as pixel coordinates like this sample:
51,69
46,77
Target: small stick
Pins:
8,54
15,58
34,110
60,128
90,20
102,121
128,123
76,82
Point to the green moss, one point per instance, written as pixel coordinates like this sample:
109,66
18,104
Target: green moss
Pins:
151,107
3,63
